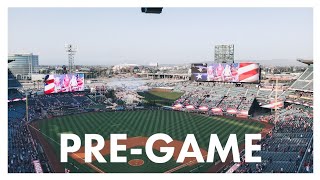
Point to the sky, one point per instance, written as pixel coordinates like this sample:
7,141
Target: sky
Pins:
109,36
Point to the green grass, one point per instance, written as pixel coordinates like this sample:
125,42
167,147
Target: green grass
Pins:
161,98
145,123
167,95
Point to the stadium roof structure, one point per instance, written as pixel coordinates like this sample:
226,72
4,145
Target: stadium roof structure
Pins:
308,62
305,81
10,60
13,83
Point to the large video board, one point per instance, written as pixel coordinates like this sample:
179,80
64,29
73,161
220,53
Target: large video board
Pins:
63,83
199,72
224,72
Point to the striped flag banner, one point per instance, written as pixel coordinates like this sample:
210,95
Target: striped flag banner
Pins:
37,166
216,110
244,112
248,72
232,111
49,84
177,106
190,107
273,105
203,108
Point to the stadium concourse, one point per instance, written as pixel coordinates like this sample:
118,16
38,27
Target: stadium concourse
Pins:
288,147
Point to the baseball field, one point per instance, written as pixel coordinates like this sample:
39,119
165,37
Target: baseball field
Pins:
139,125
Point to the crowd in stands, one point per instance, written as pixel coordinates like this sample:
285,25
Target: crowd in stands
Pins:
166,83
128,96
194,98
282,151
293,115
233,98
20,154
246,102
22,148
298,97
308,161
288,147
224,96
38,104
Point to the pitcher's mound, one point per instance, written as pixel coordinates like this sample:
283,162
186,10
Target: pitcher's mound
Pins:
136,162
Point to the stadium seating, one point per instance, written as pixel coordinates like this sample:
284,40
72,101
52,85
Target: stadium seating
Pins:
22,148
220,95
305,81
14,94
286,148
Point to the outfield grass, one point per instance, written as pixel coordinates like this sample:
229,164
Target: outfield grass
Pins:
144,123
161,98
167,95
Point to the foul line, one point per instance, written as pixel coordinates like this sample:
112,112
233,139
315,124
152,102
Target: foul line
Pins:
88,164
183,165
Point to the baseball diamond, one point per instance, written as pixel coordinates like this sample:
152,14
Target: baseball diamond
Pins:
136,162
138,125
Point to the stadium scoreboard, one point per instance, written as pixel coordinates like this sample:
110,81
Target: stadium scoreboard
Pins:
57,83
244,72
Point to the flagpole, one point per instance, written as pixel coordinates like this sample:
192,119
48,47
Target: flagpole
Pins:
27,109
276,104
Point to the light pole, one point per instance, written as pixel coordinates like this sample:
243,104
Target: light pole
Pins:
71,50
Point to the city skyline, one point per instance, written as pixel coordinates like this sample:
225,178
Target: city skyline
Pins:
177,36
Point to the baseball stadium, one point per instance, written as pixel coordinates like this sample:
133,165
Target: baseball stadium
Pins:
235,102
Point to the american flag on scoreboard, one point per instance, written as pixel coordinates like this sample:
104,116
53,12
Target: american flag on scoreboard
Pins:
199,72
49,84
248,72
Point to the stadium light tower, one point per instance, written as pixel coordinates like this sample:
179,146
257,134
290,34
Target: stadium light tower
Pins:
71,51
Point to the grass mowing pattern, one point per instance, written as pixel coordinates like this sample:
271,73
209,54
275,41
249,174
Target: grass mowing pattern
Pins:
146,123
167,95
161,98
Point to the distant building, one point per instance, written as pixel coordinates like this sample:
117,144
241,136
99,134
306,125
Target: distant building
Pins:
23,65
224,53
126,68
152,64
37,77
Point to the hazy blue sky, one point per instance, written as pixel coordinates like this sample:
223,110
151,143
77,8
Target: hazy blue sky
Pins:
178,35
